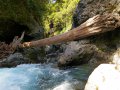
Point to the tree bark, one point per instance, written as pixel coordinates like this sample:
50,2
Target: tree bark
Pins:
95,25
7,49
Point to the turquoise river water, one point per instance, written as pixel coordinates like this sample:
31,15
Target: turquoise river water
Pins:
42,77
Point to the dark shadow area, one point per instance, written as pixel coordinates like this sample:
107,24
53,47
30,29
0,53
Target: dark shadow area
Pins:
9,29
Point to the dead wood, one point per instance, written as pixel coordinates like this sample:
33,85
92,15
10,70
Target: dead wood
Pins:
7,49
95,25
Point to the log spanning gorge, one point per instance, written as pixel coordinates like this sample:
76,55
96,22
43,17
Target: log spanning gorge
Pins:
93,26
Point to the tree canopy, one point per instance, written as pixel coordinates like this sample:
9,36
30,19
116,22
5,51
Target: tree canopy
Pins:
60,13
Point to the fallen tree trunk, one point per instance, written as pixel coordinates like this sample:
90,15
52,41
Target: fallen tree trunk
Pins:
7,49
95,25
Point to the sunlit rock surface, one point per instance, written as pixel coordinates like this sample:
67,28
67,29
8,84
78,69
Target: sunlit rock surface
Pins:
116,57
104,77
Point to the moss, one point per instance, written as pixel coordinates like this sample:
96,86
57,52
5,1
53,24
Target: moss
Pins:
36,13
61,14
35,55
14,14
14,10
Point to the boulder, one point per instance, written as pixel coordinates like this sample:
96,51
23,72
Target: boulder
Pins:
24,56
104,77
82,52
53,52
35,54
14,60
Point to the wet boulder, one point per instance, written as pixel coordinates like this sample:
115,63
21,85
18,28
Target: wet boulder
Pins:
104,77
14,60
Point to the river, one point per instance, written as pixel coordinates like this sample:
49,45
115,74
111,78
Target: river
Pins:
43,77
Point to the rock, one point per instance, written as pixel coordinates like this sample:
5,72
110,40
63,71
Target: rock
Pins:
116,57
24,56
53,52
81,52
98,49
35,54
104,77
14,60
90,8
18,16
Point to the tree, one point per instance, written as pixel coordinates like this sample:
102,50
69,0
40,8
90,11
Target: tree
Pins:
95,25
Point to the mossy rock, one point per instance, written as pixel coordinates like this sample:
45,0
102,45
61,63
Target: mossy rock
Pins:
35,54
17,16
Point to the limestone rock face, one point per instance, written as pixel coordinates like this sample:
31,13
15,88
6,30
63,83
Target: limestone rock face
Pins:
104,77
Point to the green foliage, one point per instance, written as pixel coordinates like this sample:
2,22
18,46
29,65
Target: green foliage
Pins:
25,12
61,14
33,13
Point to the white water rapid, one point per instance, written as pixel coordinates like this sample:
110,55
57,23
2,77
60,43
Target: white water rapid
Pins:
40,77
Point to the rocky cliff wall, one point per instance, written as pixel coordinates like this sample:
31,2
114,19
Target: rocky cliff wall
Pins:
96,49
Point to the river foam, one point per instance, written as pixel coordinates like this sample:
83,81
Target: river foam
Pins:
36,77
